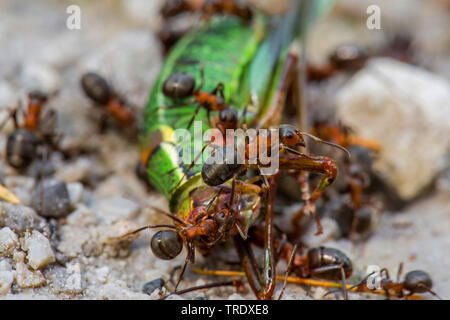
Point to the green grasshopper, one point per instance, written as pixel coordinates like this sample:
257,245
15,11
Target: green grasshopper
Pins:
234,63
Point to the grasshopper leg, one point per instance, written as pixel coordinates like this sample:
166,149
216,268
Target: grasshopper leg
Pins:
322,165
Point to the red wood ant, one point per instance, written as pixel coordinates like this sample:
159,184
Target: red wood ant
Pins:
99,91
416,281
182,85
344,58
356,176
22,144
169,35
322,262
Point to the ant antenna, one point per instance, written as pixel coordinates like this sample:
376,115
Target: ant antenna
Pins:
143,228
328,143
212,200
171,216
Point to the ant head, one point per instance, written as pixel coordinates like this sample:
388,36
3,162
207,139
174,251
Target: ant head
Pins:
166,244
229,115
173,7
350,57
37,97
418,281
96,88
290,136
179,85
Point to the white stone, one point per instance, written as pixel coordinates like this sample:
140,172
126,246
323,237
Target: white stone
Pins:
75,190
82,216
26,278
6,280
38,75
142,11
102,274
8,242
20,218
8,96
114,208
5,265
39,250
405,109
330,232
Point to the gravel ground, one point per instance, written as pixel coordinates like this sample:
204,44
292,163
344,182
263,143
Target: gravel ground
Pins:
73,256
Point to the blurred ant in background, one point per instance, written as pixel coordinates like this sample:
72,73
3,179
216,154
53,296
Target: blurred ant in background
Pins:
349,207
416,281
170,33
352,57
35,136
114,105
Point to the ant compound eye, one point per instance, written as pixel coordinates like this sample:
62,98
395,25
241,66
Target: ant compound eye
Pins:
166,244
179,85
96,87
221,218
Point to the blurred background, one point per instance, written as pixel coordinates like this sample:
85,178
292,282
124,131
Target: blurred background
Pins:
399,98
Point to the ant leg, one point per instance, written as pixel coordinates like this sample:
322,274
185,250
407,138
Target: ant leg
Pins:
197,109
234,283
12,115
302,178
191,165
323,165
190,257
249,265
330,268
399,271
219,89
421,285
269,262
386,273
288,270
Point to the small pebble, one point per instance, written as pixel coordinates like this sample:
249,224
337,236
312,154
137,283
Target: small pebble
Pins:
330,232
39,76
6,280
20,218
8,242
151,286
25,278
51,199
114,208
39,251
75,190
